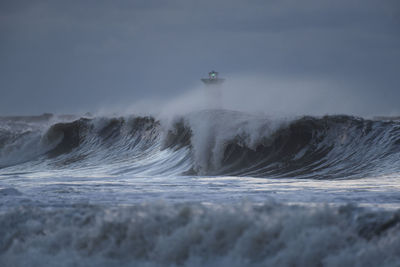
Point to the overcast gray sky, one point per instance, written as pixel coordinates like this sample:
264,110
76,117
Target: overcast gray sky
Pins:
68,56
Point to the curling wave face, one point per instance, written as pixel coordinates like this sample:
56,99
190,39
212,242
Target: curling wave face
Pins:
210,142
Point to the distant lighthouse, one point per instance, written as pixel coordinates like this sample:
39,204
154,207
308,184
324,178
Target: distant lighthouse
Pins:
212,79
213,90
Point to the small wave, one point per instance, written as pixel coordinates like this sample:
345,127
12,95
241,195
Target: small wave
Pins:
9,192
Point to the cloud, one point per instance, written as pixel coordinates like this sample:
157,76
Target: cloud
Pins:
68,55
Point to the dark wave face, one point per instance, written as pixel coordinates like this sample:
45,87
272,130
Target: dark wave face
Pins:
328,147
212,142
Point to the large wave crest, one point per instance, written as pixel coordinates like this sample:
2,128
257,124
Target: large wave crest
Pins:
209,142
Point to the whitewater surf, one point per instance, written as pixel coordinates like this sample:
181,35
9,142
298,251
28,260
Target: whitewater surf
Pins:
207,188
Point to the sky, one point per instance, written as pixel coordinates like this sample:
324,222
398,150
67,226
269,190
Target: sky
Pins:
306,57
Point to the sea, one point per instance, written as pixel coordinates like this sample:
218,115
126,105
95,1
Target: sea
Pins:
211,187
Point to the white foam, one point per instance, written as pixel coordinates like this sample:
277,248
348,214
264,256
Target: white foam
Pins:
199,235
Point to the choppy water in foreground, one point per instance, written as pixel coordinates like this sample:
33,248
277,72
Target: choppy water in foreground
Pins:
211,188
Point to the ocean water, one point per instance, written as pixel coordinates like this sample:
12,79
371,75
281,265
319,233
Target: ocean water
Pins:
207,188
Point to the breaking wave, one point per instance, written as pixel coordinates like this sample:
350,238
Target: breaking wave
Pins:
210,142
199,235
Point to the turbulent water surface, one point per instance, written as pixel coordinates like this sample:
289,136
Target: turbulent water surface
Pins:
209,188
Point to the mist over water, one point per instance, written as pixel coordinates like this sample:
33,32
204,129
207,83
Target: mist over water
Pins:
291,96
292,161
158,182
277,97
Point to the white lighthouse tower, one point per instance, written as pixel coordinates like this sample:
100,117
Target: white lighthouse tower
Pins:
212,79
213,90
